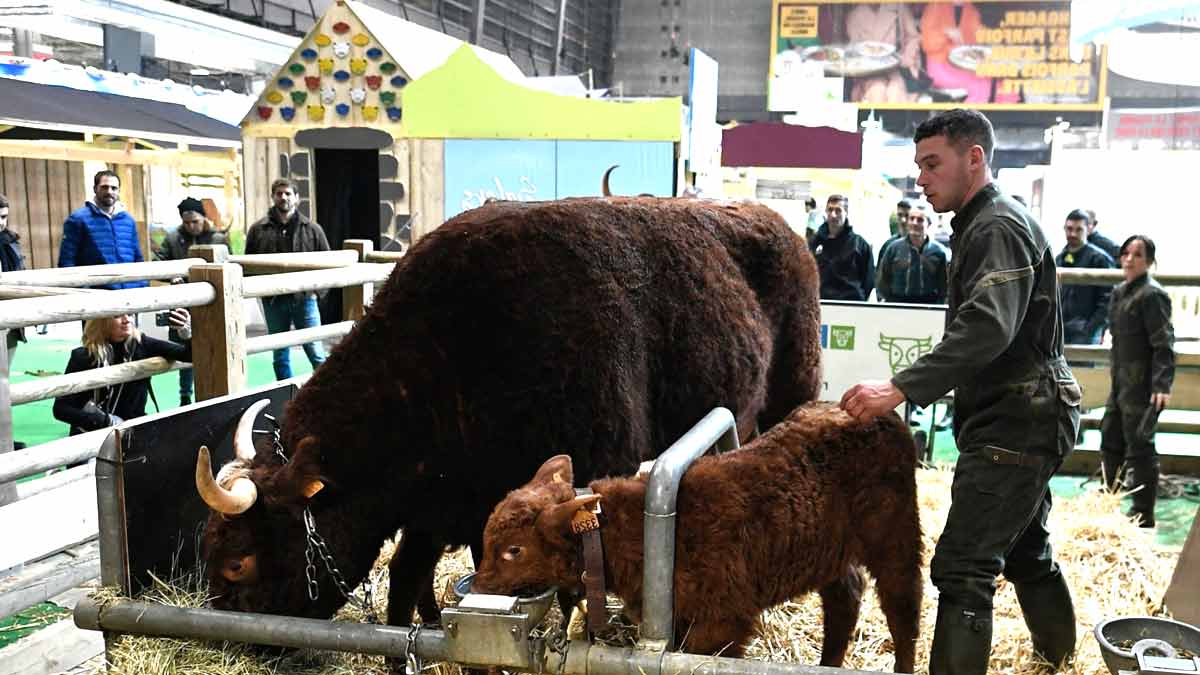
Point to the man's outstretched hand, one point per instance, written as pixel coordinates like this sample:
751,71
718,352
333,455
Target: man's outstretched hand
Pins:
872,398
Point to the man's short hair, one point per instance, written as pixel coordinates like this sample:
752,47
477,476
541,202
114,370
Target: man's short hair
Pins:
811,202
962,128
924,207
843,199
3,202
102,174
1079,214
283,182
904,204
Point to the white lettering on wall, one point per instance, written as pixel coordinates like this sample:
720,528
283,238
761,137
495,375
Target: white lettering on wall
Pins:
525,193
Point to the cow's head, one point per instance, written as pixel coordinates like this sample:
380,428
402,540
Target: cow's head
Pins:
904,351
528,544
254,541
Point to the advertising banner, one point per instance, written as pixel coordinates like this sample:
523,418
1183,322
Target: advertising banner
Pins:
931,54
704,136
873,341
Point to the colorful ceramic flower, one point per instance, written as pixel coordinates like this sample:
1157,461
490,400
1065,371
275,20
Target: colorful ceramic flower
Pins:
341,27
358,95
341,75
374,53
387,67
341,49
328,93
285,82
296,68
370,112
316,113
274,97
374,81
342,109
393,114
322,40
326,65
358,66
264,111
287,113
387,97
308,54
312,82
361,39
299,97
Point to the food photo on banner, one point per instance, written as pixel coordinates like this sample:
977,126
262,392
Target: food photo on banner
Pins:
990,54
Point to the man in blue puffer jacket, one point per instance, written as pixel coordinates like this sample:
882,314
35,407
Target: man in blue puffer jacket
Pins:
102,231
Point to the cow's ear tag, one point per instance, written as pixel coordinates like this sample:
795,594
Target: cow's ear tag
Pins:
586,520
313,488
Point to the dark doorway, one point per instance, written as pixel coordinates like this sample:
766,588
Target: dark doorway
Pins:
346,187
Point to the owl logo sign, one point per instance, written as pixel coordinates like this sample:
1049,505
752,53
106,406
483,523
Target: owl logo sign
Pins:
904,351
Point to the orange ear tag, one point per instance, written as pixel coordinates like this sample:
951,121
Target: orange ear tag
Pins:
585,521
313,488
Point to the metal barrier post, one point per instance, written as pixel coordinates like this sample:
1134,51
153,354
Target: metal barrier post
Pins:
219,333
356,298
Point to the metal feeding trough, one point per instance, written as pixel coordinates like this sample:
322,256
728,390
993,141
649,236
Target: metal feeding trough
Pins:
494,630
1149,646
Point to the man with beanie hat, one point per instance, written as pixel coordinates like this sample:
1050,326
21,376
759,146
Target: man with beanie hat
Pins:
194,230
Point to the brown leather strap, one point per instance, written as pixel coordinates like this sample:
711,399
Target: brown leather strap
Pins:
587,525
593,582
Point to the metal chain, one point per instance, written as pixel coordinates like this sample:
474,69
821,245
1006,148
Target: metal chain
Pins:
412,660
315,547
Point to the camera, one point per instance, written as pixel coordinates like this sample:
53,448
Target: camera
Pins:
162,318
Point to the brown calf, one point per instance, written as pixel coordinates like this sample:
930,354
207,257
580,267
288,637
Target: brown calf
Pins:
795,510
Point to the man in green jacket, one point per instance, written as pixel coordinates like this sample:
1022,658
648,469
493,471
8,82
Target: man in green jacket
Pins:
1016,403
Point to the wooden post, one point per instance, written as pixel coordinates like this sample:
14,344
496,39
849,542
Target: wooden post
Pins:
8,491
356,298
219,333
213,253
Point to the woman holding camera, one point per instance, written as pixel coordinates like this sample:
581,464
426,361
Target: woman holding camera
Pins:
107,342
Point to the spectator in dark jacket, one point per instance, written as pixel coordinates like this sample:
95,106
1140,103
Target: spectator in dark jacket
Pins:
101,232
194,229
1084,308
11,260
284,230
844,258
109,341
913,269
1099,240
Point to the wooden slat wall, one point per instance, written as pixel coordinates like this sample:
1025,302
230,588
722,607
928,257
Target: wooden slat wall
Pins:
41,194
37,192
58,181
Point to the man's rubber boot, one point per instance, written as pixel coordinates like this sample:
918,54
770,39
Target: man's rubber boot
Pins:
962,641
1145,476
1050,617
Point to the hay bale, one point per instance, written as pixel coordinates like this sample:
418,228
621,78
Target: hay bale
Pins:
1111,565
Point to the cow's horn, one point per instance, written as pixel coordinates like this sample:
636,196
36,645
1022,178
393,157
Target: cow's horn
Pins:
237,499
604,183
243,438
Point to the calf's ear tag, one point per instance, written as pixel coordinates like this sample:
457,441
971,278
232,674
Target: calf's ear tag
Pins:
313,488
586,520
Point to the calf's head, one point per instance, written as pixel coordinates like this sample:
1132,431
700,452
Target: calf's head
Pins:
254,541
528,543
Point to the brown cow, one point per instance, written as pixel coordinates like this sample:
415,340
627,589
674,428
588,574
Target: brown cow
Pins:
599,327
795,510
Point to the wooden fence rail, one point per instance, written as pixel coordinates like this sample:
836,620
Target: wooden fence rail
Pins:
1111,277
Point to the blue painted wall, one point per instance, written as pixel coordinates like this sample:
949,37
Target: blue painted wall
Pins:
539,170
